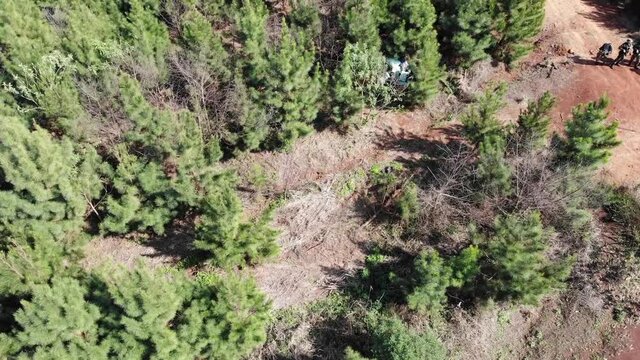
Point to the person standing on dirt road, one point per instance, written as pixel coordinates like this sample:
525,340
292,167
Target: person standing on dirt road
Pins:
635,55
623,50
605,50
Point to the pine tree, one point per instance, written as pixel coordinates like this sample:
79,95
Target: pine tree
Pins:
412,36
147,34
230,241
305,21
282,78
464,266
25,36
517,266
58,323
533,123
138,314
250,125
251,22
493,172
360,23
224,318
432,278
203,44
357,83
350,354
32,256
94,47
146,303
47,88
467,26
521,21
589,139
480,122
44,183
169,171
393,340
292,87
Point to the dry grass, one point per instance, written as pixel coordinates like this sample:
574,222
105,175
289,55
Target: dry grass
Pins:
322,243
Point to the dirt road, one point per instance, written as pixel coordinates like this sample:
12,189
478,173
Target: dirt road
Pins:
583,26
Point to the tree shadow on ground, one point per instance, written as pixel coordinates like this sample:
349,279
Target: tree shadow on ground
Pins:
430,151
609,16
424,160
411,143
369,280
177,243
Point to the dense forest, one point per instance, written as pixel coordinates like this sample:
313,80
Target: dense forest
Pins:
116,117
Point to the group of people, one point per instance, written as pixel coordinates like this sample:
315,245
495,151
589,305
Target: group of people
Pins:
623,51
